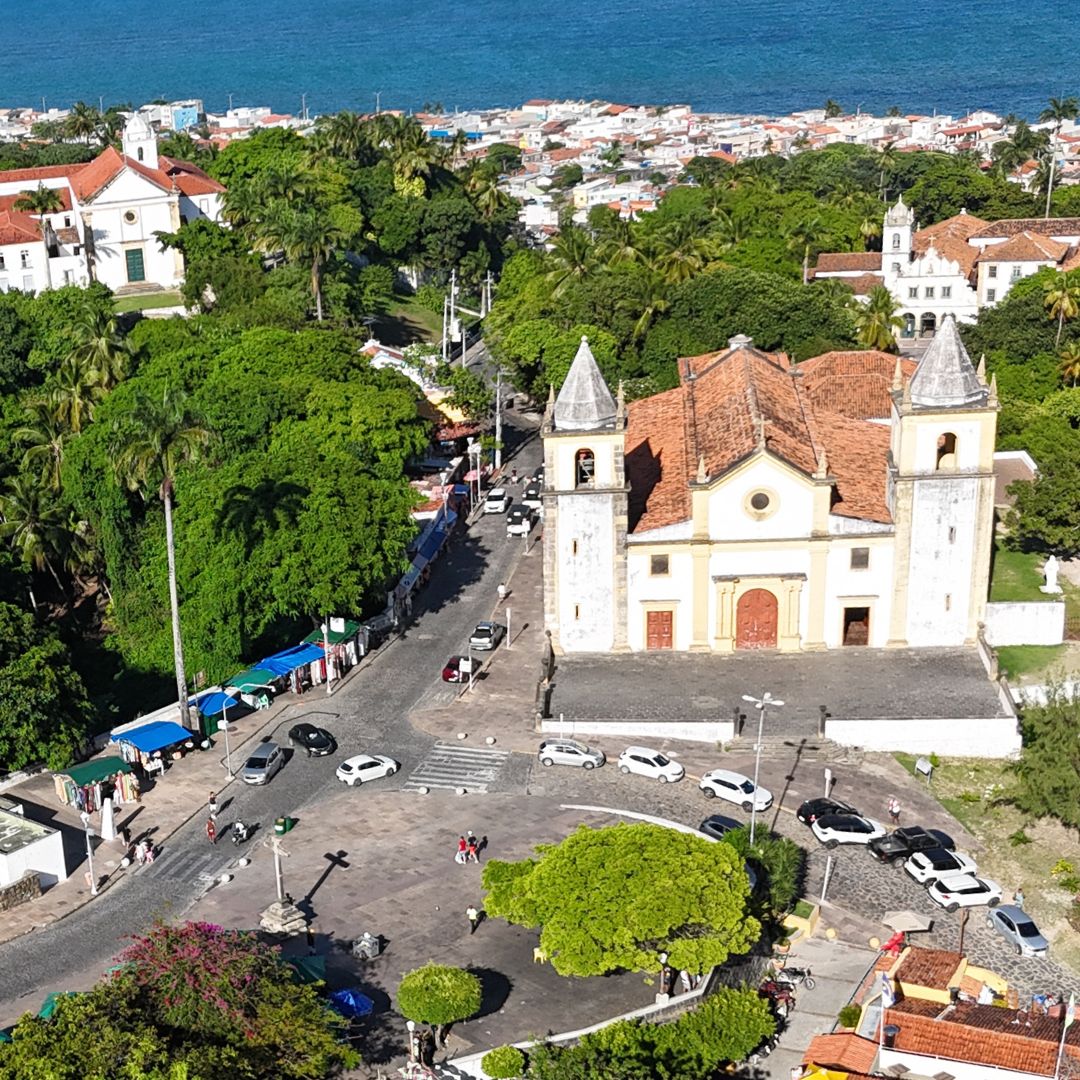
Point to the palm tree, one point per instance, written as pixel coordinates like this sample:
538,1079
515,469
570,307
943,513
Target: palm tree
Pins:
887,162
242,205
290,183
802,237
1057,111
620,244
164,436
411,152
83,121
312,237
1062,301
680,252
342,134
43,200
833,108
573,256
483,188
32,523
1070,362
869,230
99,344
614,154
647,299
74,391
44,436
877,321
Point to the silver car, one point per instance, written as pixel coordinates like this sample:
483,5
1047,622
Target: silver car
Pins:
1018,928
265,760
569,752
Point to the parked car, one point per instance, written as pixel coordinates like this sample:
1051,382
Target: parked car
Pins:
497,501
717,826
315,741
651,763
569,752
263,763
833,829
1018,928
936,862
736,788
364,767
815,808
964,890
486,636
538,475
519,522
533,497
900,843
456,669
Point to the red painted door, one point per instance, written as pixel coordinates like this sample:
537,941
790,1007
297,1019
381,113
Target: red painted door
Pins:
755,620
658,630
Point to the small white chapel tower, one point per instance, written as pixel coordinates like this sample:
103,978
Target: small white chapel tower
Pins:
897,235
585,512
140,141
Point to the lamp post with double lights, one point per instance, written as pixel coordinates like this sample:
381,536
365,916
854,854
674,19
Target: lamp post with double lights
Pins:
762,704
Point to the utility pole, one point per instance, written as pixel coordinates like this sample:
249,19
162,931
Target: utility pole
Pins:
230,103
761,704
378,99
303,107
453,298
445,307
498,419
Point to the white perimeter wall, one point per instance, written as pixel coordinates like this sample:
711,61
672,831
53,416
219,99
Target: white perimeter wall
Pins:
1026,623
46,856
994,737
710,731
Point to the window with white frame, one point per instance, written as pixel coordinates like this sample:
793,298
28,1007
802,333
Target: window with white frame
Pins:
929,292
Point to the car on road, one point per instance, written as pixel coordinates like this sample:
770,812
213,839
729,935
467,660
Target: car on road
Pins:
263,763
364,767
533,497
1018,928
315,741
895,847
717,826
964,890
569,752
519,521
736,788
538,475
651,763
456,669
486,636
936,862
833,829
814,808
497,501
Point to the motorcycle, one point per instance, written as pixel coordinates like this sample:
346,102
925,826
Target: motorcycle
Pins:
240,832
794,977
780,996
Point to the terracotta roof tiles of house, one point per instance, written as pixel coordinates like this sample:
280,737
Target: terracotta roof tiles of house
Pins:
934,969
1046,226
854,384
7,202
656,462
857,455
843,1050
1025,247
189,178
839,261
16,228
962,225
45,172
861,285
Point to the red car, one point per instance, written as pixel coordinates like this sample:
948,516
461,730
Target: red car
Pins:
456,669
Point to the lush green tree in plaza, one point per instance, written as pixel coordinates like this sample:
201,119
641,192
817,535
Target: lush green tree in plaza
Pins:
615,898
253,157
1046,511
778,860
469,392
504,1063
1048,772
877,321
439,995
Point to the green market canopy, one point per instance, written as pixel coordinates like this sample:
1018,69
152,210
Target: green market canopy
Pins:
90,772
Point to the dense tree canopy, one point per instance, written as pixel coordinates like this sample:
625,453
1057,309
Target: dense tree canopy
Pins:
615,898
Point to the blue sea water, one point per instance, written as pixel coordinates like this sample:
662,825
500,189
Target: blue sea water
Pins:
739,55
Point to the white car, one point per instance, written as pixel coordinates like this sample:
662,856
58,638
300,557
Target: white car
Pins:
519,522
364,767
651,763
833,829
927,866
736,788
497,501
964,890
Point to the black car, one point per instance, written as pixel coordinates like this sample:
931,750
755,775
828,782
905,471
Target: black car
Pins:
316,741
895,847
814,808
716,826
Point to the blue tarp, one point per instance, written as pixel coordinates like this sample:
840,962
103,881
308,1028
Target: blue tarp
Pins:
431,546
289,660
216,703
351,1003
154,736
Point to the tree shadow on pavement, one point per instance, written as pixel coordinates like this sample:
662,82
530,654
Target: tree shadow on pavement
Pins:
495,988
461,565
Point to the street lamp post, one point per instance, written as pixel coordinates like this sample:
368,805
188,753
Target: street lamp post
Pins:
664,973
223,724
761,704
411,1027
90,854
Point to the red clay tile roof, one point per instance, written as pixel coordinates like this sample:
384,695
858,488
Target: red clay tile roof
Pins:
840,261
108,165
846,1051
1025,247
45,172
860,285
853,384
190,179
857,454
1012,226
960,225
933,968
7,202
16,228
656,461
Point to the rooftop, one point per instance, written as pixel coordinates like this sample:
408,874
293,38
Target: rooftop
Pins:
935,969
17,832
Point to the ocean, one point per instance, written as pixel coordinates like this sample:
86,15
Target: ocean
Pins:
717,55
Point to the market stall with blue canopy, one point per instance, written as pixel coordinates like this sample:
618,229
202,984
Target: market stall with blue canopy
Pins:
289,661
145,743
213,708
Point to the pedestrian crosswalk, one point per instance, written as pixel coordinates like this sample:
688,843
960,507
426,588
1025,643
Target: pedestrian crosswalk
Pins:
449,767
201,866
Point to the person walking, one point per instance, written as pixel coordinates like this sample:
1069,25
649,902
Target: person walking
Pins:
211,830
472,851
502,592
213,803
473,915
1018,896
461,856
894,809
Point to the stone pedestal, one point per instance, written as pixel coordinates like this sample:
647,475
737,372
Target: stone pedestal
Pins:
282,917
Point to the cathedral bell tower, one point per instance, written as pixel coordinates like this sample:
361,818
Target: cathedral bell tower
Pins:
585,512
941,494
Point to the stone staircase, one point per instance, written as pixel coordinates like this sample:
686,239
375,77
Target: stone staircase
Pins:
779,747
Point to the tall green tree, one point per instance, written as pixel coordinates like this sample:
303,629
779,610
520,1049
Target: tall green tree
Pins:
1057,111
439,995
311,237
162,436
83,121
1062,300
877,321
40,200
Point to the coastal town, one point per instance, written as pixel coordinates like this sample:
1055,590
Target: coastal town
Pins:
577,590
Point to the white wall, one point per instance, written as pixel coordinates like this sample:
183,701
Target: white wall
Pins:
45,856
844,586
586,575
1037,622
708,731
675,588
14,276
994,737
790,514
921,1065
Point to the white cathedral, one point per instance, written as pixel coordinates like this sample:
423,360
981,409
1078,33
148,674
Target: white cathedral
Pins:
845,501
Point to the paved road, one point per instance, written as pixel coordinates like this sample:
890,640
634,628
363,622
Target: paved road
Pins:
368,714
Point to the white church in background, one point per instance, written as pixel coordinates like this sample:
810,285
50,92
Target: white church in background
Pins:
844,502
110,209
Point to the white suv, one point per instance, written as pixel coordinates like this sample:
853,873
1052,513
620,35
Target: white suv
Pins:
651,763
736,788
497,501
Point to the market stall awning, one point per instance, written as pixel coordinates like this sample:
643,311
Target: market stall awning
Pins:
154,736
252,679
335,637
217,702
288,660
90,772
48,1006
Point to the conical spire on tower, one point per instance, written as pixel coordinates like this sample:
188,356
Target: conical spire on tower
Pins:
946,377
584,402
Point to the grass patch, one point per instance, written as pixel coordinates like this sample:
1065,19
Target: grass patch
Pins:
1019,660
124,304
1016,575
803,909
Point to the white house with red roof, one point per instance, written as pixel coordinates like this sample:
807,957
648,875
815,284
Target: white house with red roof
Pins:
111,209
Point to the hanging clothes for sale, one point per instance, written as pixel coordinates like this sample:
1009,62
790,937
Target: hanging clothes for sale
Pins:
81,785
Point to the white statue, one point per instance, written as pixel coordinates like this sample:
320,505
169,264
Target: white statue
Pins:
1050,569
